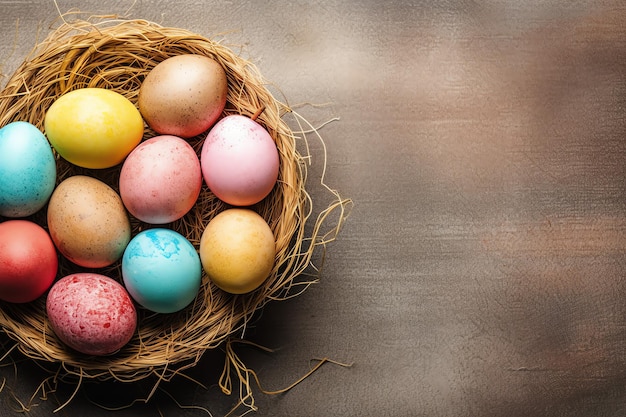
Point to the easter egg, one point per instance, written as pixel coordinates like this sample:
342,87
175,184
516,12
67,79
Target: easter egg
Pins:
93,127
88,222
161,270
28,261
91,313
183,95
27,170
160,180
239,161
237,250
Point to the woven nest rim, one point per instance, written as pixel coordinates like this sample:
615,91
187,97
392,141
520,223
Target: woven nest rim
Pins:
117,54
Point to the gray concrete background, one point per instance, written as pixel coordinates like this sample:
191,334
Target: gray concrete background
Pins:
481,272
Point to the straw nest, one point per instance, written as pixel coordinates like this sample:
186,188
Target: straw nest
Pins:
117,55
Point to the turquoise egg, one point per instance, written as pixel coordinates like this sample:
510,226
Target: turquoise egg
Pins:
27,170
161,270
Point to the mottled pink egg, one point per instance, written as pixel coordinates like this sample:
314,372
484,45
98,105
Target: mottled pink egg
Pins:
161,179
91,313
239,161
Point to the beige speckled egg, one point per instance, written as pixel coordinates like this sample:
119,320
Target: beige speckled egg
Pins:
88,222
183,95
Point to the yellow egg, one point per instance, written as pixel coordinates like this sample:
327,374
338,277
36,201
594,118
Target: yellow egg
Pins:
237,250
93,127
88,222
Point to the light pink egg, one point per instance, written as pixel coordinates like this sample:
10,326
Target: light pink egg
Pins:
91,313
239,161
161,179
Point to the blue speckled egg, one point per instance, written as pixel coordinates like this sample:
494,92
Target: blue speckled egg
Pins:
27,170
161,270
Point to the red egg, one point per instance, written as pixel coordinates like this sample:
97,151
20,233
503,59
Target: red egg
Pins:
91,313
28,261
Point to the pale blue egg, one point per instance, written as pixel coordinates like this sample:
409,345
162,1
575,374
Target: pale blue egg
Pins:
161,270
27,170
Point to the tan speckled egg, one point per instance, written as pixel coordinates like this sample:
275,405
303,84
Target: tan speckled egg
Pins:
183,95
88,222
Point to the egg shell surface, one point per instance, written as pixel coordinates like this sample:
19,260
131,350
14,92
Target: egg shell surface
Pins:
88,222
239,161
27,170
161,179
237,250
93,127
183,95
161,270
91,313
28,261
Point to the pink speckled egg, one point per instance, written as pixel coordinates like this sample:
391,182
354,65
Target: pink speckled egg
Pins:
239,161
161,180
91,313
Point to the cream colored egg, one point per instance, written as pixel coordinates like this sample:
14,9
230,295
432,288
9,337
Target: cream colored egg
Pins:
183,95
237,250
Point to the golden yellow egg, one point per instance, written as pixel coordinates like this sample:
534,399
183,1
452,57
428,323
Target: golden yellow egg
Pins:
237,250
